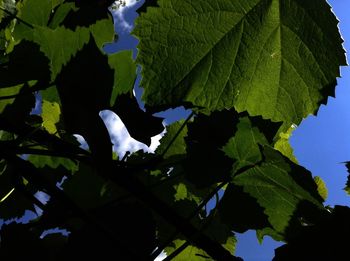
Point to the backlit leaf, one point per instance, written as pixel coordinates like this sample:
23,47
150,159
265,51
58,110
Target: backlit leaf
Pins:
260,56
51,116
279,186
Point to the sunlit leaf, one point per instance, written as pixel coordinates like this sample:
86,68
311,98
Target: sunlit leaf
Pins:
51,116
279,186
261,56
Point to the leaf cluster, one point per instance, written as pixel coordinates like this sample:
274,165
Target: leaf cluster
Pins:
248,70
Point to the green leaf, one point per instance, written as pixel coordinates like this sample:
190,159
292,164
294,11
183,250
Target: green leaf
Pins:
279,186
60,14
37,12
51,95
244,146
283,145
41,161
178,146
260,56
215,230
190,252
51,116
124,73
33,13
59,45
321,187
14,90
103,32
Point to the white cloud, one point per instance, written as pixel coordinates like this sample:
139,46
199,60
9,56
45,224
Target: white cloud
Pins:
121,138
119,13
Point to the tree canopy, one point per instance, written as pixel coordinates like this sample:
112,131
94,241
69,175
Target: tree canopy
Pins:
249,70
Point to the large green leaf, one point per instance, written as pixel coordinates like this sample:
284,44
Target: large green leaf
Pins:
263,56
279,186
124,73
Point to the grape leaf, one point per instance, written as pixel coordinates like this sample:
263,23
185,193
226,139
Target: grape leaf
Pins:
178,146
41,161
33,13
244,146
60,13
259,56
283,145
190,252
321,187
124,73
59,45
279,186
13,90
51,116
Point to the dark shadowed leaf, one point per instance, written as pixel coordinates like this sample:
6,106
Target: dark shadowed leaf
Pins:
206,163
85,86
240,211
26,62
324,240
13,204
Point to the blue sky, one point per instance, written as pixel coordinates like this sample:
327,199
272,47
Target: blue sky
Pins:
320,143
